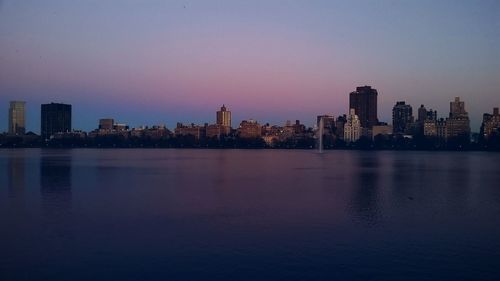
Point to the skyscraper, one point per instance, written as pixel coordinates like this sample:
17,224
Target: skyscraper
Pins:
352,127
17,120
56,117
364,103
458,124
402,118
224,117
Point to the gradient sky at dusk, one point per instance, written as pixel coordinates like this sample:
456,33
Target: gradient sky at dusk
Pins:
153,62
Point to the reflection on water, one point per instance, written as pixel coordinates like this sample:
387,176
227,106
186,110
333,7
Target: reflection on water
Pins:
248,215
364,203
15,174
55,189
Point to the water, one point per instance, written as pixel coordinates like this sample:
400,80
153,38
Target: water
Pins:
248,215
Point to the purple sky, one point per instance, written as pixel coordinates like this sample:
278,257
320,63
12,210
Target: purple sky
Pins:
160,62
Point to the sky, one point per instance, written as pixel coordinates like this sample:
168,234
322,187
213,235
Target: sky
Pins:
163,62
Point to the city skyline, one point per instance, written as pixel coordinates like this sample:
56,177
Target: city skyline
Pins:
218,119
151,63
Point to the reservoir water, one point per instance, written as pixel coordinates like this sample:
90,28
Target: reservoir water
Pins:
169,214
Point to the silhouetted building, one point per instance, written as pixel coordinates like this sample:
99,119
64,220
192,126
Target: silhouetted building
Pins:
352,128
491,124
364,103
422,114
249,129
402,118
224,117
55,118
339,125
441,128
17,118
458,124
106,124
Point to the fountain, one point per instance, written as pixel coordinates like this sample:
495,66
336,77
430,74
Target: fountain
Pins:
320,133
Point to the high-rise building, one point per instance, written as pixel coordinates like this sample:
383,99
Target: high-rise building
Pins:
491,124
364,103
458,124
224,117
402,118
17,118
422,114
352,127
55,118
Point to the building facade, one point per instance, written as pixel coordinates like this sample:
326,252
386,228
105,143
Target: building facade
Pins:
352,127
17,118
364,103
458,123
491,124
224,117
249,129
402,118
55,118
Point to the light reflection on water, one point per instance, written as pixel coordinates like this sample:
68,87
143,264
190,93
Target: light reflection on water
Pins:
248,214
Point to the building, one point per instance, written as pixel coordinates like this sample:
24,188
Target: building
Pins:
430,128
383,130
364,103
216,131
55,118
491,124
328,123
17,118
224,117
339,125
198,132
249,129
441,128
402,118
458,123
106,124
352,127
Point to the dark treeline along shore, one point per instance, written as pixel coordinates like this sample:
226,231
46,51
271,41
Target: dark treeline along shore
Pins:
307,141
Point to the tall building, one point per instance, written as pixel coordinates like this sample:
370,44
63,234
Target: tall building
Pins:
364,103
17,118
224,117
402,118
352,127
55,118
491,124
458,124
422,114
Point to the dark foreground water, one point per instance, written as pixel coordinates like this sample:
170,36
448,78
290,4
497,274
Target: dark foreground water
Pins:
248,215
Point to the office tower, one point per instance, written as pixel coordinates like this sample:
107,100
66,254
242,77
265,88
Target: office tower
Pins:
106,124
224,117
422,114
55,118
17,118
402,118
352,127
458,124
491,124
364,103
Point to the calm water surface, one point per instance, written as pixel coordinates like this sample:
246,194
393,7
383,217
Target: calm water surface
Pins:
248,215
